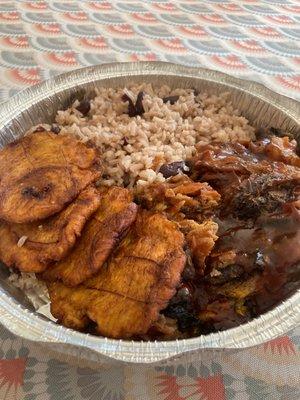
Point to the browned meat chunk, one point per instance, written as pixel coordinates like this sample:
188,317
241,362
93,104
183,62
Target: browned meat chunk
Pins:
251,183
265,193
188,203
277,149
179,198
200,239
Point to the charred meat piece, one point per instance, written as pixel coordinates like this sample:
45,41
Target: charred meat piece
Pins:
185,318
125,297
48,240
251,180
265,193
49,171
179,198
100,236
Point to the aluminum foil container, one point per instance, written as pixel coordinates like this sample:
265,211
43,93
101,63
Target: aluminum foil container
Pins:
38,104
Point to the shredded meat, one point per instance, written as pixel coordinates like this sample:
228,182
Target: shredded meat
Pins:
200,239
277,149
179,197
254,262
250,182
188,203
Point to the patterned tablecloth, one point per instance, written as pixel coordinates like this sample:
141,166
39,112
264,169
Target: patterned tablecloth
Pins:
256,40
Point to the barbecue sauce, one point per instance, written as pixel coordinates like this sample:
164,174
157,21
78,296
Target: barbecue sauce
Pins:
255,262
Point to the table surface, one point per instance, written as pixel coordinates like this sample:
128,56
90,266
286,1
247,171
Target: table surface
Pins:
256,40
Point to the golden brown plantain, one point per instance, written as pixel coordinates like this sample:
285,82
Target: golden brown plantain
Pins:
41,173
48,240
101,234
125,297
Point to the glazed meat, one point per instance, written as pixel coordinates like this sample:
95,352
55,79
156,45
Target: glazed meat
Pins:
254,263
251,180
277,149
252,270
102,233
30,247
49,171
125,297
221,164
220,159
248,271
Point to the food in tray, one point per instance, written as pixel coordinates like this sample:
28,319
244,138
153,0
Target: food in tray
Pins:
152,213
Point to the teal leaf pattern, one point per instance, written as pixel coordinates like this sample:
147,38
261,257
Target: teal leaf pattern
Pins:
287,392
58,380
105,384
257,389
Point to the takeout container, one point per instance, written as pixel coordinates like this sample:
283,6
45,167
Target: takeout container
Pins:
38,104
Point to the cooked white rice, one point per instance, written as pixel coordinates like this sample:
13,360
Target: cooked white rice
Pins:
136,147
35,290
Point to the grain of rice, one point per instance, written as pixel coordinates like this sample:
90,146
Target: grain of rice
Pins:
22,240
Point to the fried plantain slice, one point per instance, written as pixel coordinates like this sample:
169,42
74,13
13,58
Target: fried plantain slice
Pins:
125,297
101,234
31,247
41,173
